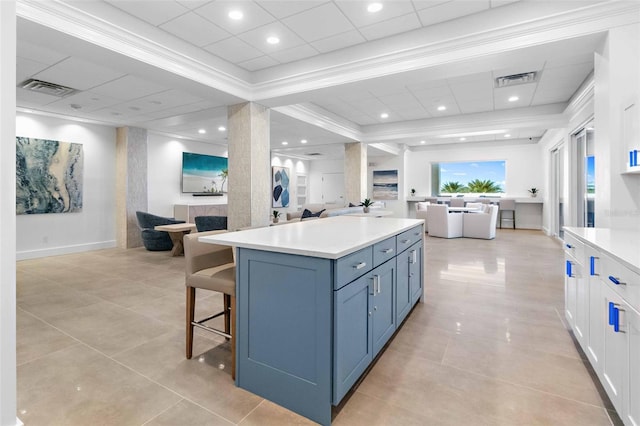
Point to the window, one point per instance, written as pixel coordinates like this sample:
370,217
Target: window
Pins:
469,177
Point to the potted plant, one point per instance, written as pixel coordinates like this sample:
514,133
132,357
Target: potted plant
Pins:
366,204
413,192
276,216
533,192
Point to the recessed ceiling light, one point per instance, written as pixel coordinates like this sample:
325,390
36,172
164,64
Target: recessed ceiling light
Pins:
384,115
507,135
423,142
202,131
285,143
303,141
273,40
155,102
513,98
374,7
463,139
236,15
442,108
75,106
222,128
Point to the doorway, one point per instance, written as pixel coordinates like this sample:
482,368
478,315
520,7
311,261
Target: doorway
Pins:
333,188
557,191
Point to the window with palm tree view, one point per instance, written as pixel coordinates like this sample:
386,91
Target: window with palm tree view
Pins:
469,177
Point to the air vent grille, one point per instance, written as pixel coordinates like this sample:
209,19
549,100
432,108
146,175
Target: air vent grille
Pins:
312,154
47,88
516,79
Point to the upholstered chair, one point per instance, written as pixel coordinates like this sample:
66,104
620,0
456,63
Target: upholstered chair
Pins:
210,267
421,213
151,239
480,225
442,223
476,205
210,223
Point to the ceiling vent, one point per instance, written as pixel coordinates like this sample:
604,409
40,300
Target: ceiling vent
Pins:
47,88
313,154
516,79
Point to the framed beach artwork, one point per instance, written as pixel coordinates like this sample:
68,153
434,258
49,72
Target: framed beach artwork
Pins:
48,176
280,186
385,184
204,174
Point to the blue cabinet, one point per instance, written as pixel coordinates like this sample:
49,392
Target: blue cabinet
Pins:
382,300
414,255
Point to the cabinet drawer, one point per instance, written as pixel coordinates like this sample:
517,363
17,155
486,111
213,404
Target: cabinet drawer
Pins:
574,247
408,238
383,251
623,280
352,266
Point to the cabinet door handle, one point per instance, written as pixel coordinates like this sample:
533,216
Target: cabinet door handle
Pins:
360,265
387,251
372,287
592,265
405,241
376,285
569,269
612,307
413,259
615,280
616,320
569,246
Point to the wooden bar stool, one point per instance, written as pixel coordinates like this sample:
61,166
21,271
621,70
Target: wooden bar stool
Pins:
210,267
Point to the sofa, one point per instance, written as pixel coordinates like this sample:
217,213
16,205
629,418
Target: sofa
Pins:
330,210
151,239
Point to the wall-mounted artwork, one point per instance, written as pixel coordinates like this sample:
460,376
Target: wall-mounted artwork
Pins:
385,184
48,176
204,173
280,184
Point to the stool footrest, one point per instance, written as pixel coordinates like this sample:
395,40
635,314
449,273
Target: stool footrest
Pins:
200,324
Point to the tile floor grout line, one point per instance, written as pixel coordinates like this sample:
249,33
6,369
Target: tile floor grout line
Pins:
254,409
162,412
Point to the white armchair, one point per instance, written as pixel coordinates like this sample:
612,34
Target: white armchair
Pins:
481,225
442,223
421,213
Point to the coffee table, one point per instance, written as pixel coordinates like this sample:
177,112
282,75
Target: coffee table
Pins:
176,232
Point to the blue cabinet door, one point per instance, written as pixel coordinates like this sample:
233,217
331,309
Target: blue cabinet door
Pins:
352,334
403,291
415,272
382,300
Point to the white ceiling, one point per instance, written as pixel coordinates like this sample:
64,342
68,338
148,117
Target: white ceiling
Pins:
125,89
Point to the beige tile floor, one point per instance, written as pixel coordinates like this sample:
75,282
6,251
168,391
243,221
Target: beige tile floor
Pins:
101,341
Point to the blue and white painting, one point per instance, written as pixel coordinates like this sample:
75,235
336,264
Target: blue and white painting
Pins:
48,176
385,184
280,184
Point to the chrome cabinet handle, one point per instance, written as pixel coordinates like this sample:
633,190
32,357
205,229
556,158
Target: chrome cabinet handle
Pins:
360,265
405,241
387,251
413,259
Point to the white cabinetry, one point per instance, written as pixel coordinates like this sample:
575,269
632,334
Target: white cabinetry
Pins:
602,290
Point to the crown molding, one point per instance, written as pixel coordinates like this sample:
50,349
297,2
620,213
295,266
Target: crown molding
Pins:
103,25
582,99
320,117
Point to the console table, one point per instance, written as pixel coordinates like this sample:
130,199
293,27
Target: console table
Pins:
316,302
188,211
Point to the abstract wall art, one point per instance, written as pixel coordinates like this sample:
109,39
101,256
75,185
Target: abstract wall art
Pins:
48,176
280,184
385,184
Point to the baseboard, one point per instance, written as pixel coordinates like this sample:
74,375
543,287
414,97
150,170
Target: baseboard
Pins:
57,251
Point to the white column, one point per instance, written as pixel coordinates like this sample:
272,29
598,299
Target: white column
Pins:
249,166
8,404
355,172
131,184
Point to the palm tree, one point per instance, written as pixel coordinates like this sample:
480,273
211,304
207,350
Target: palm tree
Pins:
453,187
224,174
484,186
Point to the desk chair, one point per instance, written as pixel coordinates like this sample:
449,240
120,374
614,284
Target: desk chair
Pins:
507,206
210,267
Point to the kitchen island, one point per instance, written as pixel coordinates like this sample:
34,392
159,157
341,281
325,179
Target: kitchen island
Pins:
316,302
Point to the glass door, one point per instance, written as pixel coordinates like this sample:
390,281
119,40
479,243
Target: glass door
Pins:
557,191
585,177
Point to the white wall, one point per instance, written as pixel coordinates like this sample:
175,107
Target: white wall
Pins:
94,227
523,165
316,169
164,173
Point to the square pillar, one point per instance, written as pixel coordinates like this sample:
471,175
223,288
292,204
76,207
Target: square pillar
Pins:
249,166
355,171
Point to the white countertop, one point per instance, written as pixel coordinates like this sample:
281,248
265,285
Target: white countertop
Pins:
621,244
328,238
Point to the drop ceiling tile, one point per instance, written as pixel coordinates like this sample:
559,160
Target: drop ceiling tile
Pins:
413,113
88,101
234,50
472,90
25,68
156,14
339,41
318,23
427,85
448,101
78,74
195,29
482,105
569,59
424,4
357,12
393,26
380,90
433,95
523,91
282,9
498,3
128,88
400,100
258,63
480,76
258,38
294,54
451,10
218,13
36,53
193,4
31,99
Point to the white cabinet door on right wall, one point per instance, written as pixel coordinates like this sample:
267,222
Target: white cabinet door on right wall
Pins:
614,365
632,388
